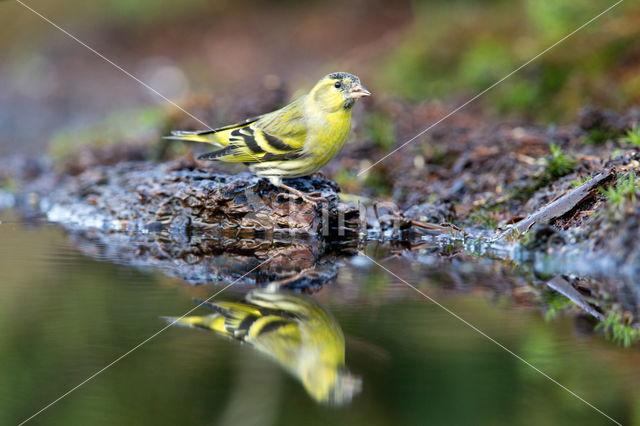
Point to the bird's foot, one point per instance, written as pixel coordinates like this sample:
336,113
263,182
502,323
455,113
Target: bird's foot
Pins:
313,198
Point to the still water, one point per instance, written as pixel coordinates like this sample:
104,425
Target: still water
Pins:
364,349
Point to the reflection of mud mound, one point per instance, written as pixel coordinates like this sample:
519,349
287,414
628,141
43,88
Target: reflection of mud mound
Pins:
295,265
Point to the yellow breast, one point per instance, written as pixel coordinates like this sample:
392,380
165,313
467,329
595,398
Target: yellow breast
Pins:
327,135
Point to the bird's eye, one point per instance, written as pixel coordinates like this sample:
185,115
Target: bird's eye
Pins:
337,84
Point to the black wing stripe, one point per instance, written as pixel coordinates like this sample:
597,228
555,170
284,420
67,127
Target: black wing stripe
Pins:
229,127
217,154
272,326
276,143
282,157
249,139
245,325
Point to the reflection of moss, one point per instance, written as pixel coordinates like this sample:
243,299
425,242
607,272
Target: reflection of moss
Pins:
555,304
619,329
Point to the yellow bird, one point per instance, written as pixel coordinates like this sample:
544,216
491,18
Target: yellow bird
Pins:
292,329
294,141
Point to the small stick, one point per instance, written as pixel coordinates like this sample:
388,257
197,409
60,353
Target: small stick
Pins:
562,205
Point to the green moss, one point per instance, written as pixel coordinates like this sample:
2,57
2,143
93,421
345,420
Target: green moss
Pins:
581,181
617,152
624,190
632,136
619,329
599,136
555,303
559,164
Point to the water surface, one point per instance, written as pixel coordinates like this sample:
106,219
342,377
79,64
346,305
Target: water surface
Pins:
65,313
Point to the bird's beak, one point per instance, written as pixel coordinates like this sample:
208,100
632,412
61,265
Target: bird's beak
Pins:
358,91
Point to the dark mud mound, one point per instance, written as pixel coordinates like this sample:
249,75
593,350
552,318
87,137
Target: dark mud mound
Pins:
136,197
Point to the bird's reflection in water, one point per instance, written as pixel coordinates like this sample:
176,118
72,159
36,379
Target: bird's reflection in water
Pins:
296,331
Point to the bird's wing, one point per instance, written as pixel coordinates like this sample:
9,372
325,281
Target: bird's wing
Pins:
276,136
242,321
208,136
287,124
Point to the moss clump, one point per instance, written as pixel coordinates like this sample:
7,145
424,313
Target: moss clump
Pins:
555,304
559,164
632,136
624,190
619,329
599,136
581,181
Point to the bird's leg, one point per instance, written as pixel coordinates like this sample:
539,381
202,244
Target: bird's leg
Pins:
295,193
307,197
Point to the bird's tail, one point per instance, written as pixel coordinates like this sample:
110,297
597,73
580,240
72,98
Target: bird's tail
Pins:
206,136
213,322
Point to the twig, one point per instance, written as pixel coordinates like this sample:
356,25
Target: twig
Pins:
562,205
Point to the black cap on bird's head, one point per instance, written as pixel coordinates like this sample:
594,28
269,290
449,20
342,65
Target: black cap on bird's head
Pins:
345,84
350,85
